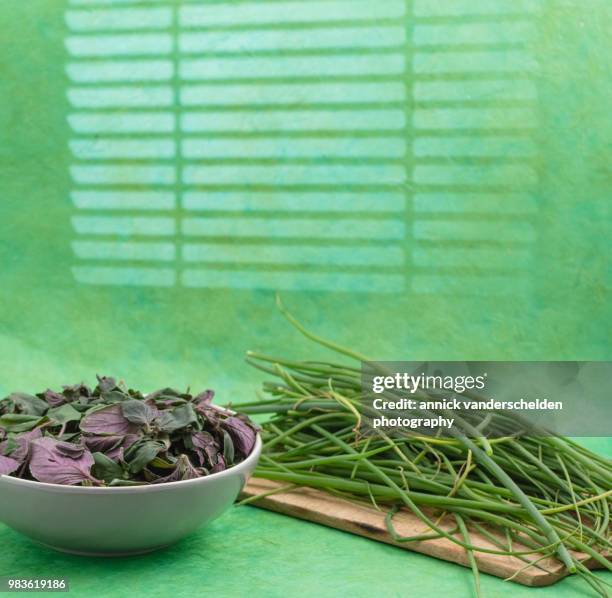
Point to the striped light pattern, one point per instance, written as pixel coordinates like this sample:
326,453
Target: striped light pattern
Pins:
474,147
307,145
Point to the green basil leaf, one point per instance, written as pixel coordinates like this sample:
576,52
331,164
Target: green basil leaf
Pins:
114,396
177,418
160,463
228,449
64,414
138,412
20,422
28,404
140,454
105,468
8,446
119,482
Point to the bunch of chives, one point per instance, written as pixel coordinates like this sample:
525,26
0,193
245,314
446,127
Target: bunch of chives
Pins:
531,497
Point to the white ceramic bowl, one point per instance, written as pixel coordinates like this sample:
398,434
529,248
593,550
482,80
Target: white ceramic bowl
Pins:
119,521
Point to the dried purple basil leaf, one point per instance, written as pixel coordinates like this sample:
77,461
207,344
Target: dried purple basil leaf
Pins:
56,462
105,384
111,446
184,470
204,398
70,450
206,448
210,414
219,465
189,471
102,444
202,440
139,412
54,399
22,449
107,420
242,435
8,465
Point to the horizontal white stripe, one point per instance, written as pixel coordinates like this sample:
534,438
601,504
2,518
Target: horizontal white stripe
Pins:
293,254
124,70
343,147
302,201
513,175
123,122
494,203
450,34
481,286
464,8
472,258
108,275
100,148
123,45
306,174
117,175
123,225
447,230
476,146
120,97
294,281
474,118
123,200
124,250
502,61
294,120
475,91
119,18
293,93
301,39
294,228
295,67
251,13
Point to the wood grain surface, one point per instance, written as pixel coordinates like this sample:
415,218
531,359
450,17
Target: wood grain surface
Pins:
364,520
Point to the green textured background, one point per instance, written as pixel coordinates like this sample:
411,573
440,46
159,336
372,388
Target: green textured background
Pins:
54,331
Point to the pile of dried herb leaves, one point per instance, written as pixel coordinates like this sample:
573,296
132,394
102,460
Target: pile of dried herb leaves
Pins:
112,436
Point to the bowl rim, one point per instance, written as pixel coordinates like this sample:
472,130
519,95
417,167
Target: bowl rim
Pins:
251,460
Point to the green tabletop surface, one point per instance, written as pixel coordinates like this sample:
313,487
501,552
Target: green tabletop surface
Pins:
420,179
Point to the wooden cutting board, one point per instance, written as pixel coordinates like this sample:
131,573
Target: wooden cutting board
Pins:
324,508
